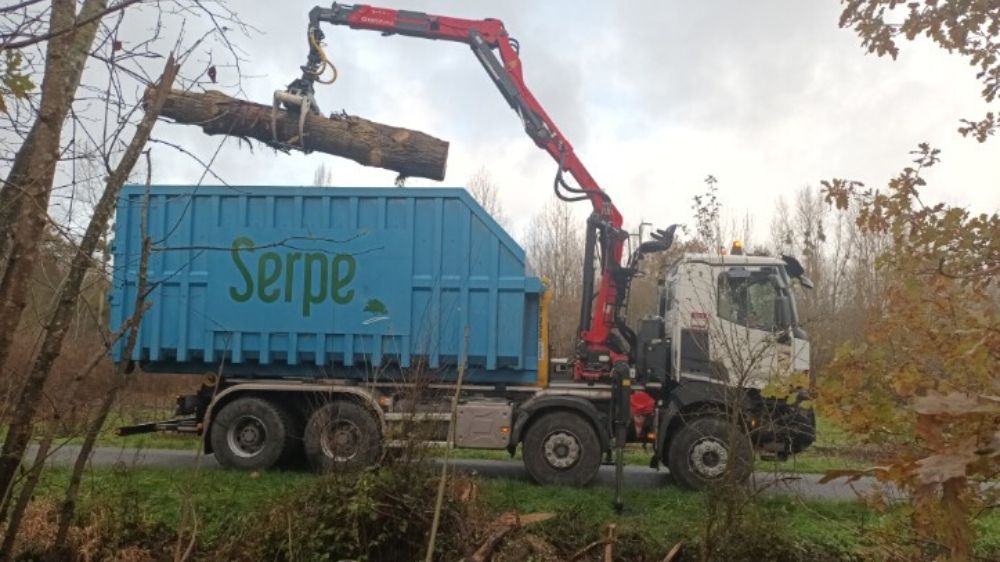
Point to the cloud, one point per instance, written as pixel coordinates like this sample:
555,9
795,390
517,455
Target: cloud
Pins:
654,95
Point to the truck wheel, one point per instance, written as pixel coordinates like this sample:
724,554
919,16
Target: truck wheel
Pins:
250,434
701,454
341,435
562,448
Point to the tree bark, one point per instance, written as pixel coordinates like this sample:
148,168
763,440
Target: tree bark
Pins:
59,321
25,194
410,153
30,180
23,498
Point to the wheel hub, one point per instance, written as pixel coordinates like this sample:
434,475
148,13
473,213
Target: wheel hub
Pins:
246,436
709,457
562,449
341,440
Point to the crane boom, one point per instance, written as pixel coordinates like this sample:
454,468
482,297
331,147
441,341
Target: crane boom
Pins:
598,348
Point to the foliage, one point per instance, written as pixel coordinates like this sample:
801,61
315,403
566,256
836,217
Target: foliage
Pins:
238,510
938,330
655,520
14,81
937,336
966,27
382,514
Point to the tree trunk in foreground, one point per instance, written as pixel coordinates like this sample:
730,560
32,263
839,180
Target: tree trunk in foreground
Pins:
30,181
410,153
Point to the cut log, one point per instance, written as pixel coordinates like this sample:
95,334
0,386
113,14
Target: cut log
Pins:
408,152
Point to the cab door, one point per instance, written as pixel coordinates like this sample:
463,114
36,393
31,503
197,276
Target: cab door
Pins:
751,333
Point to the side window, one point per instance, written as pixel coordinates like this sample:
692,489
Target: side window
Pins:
748,300
728,297
667,292
760,305
666,297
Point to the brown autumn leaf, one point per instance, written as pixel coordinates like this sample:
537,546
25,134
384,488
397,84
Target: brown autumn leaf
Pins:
850,474
942,467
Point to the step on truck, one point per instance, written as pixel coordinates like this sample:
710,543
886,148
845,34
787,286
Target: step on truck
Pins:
331,324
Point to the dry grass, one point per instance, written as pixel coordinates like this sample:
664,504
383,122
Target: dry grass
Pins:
88,544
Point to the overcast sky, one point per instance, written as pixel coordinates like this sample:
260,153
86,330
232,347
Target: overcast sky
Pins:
767,96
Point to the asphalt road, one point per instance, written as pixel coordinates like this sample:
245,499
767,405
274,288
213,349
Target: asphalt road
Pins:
801,485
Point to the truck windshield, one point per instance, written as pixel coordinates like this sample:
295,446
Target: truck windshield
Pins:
750,299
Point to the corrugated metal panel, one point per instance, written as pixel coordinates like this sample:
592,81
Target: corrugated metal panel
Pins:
325,282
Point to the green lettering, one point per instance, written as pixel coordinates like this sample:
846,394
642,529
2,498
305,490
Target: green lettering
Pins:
267,279
242,242
340,279
290,273
309,298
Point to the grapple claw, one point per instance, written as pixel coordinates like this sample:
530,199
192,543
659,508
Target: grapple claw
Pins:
291,101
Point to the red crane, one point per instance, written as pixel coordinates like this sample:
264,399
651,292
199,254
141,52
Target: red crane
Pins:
600,349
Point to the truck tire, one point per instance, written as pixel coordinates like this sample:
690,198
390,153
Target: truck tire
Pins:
562,448
251,434
341,436
701,454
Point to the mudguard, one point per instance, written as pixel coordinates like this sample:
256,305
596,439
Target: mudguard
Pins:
528,411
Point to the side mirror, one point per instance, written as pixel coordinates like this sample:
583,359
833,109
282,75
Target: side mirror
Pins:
795,270
792,266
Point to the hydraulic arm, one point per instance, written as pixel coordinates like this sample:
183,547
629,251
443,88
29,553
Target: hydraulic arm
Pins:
600,347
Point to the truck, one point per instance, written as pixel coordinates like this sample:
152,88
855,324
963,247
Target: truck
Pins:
320,312
317,313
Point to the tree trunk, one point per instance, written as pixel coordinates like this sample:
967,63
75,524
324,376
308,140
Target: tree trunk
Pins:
58,323
23,498
411,153
26,192
30,178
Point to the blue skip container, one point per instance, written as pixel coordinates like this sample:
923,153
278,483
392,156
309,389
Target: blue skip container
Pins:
317,282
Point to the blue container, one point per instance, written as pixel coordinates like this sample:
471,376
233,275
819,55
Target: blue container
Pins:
309,282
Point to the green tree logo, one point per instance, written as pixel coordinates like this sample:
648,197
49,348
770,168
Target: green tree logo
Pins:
375,306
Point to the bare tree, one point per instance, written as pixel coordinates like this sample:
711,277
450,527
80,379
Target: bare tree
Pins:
486,192
117,132
555,252
323,176
840,258
24,198
715,229
708,216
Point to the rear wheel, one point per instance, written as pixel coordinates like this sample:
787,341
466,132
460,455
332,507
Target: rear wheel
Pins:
342,435
707,451
562,448
251,434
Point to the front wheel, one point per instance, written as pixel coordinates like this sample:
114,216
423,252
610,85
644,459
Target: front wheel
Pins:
562,448
707,451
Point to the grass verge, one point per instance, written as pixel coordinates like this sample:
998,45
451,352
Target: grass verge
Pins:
228,503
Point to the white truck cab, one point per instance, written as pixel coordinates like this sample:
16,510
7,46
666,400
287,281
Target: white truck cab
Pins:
725,343
733,320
